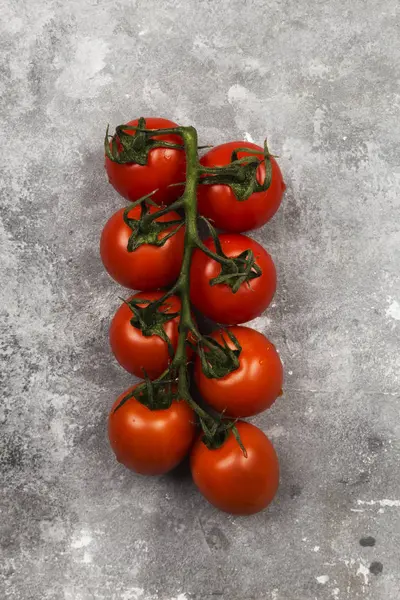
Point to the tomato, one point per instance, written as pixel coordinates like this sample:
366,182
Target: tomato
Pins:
164,167
219,203
147,268
218,302
150,442
232,482
254,386
136,352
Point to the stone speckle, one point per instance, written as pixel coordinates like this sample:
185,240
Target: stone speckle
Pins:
320,79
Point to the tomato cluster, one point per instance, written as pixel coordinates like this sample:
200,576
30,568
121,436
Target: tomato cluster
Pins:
237,370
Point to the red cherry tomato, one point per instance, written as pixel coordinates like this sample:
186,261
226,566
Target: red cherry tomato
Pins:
219,203
149,267
165,166
254,386
138,353
150,442
218,302
232,482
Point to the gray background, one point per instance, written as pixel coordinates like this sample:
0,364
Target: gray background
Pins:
321,79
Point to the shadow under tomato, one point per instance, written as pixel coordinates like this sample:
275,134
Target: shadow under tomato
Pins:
181,473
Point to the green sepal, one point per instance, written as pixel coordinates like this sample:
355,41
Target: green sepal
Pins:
242,269
155,395
126,148
145,231
234,270
215,436
218,360
150,319
241,174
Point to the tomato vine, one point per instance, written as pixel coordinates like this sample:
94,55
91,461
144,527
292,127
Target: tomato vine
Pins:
218,359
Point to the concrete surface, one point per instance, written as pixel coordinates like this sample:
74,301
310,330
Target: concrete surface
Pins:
321,79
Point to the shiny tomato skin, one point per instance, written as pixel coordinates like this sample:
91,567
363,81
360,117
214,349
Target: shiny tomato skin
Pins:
147,268
254,386
218,302
219,203
164,167
232,482
150,442
138,353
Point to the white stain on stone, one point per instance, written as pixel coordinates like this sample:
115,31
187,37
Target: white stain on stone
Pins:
335,592
60,446
238,93
322,579
393,311
364,572
83,78
319,117
260,323
318,69
84,540
248,137
133,593
316,549
87,558
141,545
276,431
382,503
180,597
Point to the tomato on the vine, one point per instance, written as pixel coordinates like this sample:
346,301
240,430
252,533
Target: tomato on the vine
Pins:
165,166
142,354
251,388
150,442
218,202
218,302
148,267
231,481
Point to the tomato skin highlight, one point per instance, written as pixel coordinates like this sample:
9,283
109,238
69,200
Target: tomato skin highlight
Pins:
232,482
147,268
165,166
219,203
218,302
137,353
150,442
254,386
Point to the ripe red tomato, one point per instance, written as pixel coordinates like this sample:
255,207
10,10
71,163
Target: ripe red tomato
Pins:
218,302
232,482
219,203
136,352
150,442
147,268
254,386
164,167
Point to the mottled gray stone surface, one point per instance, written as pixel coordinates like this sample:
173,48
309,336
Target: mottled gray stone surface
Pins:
321,79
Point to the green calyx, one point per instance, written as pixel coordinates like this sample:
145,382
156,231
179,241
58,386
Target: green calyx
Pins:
234,270
218,360
215,436
155,395
126,148
241,174
146,229
239,270
150,319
